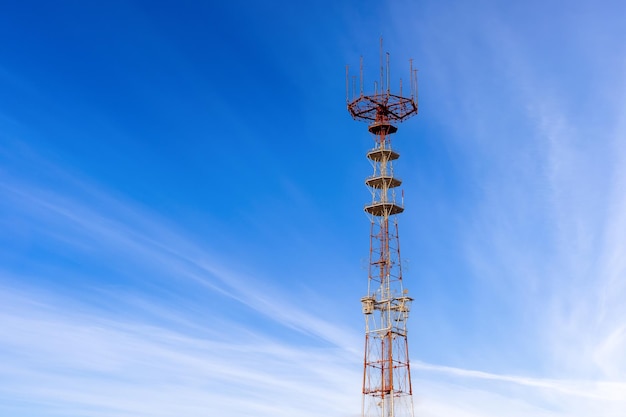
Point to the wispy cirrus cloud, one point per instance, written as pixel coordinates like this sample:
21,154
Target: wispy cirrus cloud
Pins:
139,239
85,347
131,354
81,363
543,230
110,309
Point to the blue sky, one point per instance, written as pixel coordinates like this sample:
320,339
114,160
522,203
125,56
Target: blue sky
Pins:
181,194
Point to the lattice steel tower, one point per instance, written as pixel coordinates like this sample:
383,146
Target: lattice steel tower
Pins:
387,388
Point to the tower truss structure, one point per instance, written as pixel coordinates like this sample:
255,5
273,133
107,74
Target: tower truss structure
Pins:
387,390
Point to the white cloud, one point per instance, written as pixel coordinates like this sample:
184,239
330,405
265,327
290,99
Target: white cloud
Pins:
81,363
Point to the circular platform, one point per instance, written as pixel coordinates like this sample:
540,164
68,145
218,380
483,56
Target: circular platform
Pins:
382,128
383,106
383,209
383,181
378,155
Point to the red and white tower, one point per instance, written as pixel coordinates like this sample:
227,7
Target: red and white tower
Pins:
387,388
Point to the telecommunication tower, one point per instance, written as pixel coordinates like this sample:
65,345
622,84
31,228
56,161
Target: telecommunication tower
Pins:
387,388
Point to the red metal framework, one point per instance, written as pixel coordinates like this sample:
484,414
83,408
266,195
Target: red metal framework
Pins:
387,388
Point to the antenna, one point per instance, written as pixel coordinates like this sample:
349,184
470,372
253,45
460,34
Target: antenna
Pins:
416,88
347,83
386,388
387,73
381,65
361,77
412,86
384,105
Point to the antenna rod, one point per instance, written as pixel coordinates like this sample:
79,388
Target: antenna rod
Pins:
387,73
361,77
381,65
347,84
411,72
416,87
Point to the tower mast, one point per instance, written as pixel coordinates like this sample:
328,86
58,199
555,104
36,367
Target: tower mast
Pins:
387,388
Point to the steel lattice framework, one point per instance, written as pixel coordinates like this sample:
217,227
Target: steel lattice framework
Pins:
387,390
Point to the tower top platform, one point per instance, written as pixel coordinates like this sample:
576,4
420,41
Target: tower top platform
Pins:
382,107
